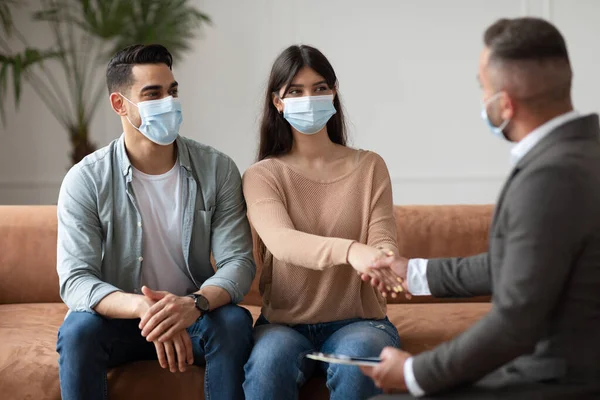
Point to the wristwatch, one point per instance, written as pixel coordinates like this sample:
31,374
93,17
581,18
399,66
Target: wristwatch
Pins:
201,303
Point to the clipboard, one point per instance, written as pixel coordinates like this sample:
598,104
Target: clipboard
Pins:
343,359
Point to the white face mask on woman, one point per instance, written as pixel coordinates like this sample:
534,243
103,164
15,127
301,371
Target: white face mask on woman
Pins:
308,114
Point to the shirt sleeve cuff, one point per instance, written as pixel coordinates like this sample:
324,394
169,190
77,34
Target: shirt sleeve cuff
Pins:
226,284
98,294
411,381
416,277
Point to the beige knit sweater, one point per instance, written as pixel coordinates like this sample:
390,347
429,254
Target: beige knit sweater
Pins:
307,227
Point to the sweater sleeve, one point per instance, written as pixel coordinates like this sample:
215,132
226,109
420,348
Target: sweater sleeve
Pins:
270,219
382,224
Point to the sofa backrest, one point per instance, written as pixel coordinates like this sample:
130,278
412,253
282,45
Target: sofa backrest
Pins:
28,254
28,245
442,231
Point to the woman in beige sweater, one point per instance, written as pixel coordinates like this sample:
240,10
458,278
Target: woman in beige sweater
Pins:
323,212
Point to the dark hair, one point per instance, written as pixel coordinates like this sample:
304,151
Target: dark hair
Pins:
531,57
524,39
275,132
118,71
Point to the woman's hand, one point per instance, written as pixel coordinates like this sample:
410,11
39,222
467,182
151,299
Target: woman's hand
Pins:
362,258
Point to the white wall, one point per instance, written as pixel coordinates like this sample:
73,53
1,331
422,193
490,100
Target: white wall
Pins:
407,76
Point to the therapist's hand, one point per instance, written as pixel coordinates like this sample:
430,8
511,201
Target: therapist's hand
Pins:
389,373
398,266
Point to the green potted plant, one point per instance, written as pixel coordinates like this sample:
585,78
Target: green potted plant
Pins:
86,33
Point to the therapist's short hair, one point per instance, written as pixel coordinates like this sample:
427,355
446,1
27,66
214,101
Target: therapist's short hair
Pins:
118,71
529,59
525,39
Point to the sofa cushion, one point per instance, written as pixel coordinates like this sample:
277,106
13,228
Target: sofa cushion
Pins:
424,326
28,358
29,362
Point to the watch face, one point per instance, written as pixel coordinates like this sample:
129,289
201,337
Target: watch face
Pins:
202,303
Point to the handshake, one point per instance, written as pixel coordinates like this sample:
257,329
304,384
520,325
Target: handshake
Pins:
385,270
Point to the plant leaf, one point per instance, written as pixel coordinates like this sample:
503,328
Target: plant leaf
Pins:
3,85
112,24
172,23
17,71
20,63
3,76
6,20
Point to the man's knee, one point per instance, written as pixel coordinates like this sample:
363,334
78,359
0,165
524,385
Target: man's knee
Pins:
228,328
228,318
81,331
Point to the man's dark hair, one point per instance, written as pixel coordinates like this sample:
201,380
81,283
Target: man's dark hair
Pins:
118,72
525,39
529,59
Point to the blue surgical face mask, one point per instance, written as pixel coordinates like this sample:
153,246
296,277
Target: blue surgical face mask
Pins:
161,119
498,131
308,114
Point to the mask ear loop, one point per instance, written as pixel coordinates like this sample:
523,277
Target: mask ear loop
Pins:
127,116
121,94
490,100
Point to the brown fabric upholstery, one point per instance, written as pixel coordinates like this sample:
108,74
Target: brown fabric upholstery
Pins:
28,255
442,231
28,359
423,326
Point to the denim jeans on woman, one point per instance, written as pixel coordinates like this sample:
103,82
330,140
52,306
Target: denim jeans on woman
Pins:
278,366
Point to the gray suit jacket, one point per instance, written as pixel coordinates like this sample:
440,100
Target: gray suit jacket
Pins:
542,270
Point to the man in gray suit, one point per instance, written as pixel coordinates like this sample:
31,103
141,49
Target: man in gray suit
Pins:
541,338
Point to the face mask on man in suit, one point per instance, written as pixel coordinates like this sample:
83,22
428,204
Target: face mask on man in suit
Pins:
496,129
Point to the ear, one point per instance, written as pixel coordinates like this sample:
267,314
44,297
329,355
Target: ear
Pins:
508,107
117,103
277,102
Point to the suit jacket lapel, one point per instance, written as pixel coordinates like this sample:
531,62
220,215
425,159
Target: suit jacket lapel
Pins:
583,127
579,128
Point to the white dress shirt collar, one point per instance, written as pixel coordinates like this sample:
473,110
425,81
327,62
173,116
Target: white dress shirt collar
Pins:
535,136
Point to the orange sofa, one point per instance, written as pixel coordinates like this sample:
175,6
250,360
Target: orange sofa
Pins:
31,310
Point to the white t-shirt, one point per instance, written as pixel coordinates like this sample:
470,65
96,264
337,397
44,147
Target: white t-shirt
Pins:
159,200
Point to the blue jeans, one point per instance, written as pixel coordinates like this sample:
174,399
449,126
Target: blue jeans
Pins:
277,366
89,344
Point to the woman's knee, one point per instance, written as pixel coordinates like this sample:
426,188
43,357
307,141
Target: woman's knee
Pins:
279,353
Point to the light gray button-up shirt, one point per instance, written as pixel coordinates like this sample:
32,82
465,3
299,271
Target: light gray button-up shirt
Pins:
99,225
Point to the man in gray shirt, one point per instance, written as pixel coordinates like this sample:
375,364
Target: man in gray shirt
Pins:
137,223
540,339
